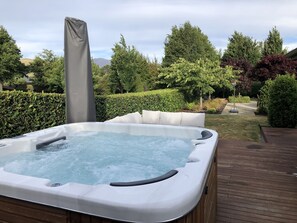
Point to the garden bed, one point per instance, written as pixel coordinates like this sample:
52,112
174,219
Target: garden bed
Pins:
213,106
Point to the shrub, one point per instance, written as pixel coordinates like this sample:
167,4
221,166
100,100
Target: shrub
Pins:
256,86
120,104
23,112
239,99
214,106
282,106
263,98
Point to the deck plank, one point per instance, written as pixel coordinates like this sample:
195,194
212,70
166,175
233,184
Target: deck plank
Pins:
256,181
284,136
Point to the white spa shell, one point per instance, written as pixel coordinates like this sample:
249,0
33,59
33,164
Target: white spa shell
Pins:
156,202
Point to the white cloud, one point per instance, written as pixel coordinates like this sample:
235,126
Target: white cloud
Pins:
38,25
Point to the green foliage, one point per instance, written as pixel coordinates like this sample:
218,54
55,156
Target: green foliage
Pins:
211,106
101,77
197,78
239,99
263,99
273,44
255,89
23,112
10,55
242,47
187,42
214,106
163,100
154,71
129,68
48,70
282,107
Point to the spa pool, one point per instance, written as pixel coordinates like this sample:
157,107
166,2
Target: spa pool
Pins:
184,191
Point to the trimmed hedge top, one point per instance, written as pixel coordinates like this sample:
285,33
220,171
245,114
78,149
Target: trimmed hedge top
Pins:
23,112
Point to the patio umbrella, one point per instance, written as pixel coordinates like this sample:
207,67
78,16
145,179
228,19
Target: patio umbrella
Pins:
80,101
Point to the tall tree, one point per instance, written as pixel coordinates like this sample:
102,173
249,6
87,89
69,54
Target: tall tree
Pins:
187,42
273,44
48,70
101,79
244,68
10,55
54,75
154,71
242,47
128,67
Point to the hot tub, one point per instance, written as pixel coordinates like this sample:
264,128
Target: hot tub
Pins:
186,193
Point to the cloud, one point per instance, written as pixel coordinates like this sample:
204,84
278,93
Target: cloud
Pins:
38,25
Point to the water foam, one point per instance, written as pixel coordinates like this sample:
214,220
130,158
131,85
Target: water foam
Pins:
99,158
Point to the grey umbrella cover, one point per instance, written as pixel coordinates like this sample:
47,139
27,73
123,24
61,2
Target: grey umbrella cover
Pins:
80,101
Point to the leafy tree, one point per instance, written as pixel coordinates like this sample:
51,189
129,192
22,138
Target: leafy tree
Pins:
197,78
48,70
100,79
273,44
10,55
123,73
142,70
187,42
244,69
154,71
272,65
129,69
37,68
242,47
54,76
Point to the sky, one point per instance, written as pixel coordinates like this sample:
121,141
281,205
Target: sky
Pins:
39,24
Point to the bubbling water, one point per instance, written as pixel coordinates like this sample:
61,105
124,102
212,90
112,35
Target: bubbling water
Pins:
101,157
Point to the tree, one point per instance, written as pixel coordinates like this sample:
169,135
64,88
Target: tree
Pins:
244,69
272,65
187,42
197,78
10,55
54,76
154,71
37,68
273,44
123,74
100,79
242,47
129,68
142,73
48,70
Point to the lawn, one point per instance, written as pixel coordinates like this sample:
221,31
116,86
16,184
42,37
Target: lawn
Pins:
236,127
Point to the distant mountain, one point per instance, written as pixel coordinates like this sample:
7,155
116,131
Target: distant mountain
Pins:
101,62
26,61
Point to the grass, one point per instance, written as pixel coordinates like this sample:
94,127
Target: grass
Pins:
236,127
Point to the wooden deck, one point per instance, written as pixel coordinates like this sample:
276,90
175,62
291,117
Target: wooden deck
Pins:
257,182
283,136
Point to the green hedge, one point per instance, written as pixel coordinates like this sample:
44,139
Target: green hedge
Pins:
239,99
263,98
282,104
23,112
